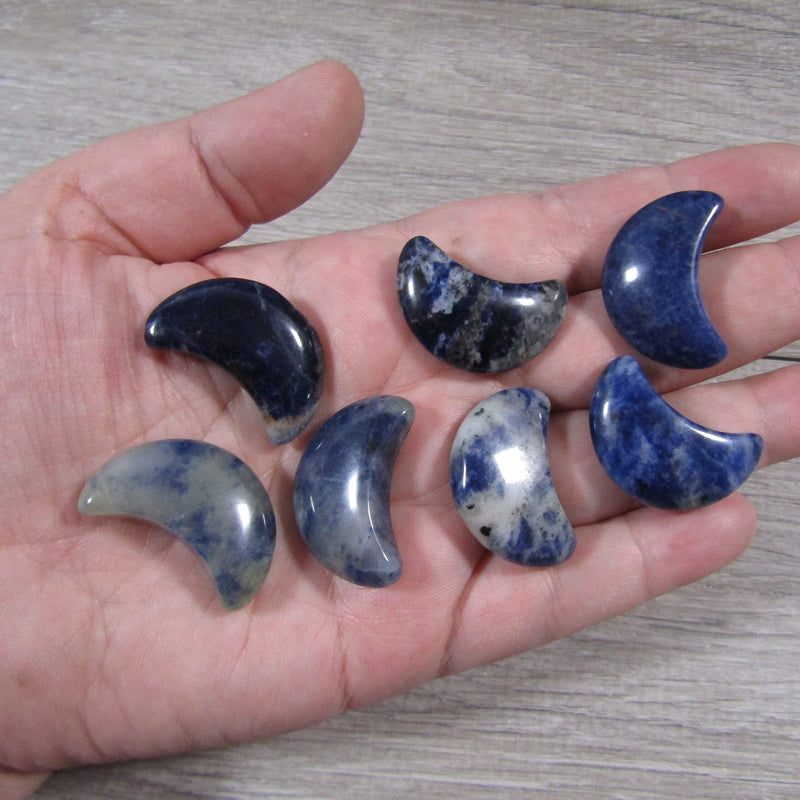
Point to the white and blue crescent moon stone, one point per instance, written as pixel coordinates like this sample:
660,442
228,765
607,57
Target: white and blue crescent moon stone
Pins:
650,285
342,490
204,495
471,321
656,454
501,482
256,335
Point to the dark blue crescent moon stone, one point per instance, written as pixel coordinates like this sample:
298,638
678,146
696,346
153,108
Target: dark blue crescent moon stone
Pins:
256,335
656,454
469,320
342,490
650,283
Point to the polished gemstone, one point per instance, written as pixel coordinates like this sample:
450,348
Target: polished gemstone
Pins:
650,285
656,454
204,495
255,334
469,320
342,490
501,481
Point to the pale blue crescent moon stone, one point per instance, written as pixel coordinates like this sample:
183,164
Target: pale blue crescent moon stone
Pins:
655,453
650,285
469,320
342,490
255,334
202,494
501,481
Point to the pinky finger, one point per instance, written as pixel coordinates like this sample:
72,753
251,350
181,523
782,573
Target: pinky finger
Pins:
617,566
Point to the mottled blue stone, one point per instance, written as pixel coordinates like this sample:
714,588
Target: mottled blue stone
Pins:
650,285
501,482
255,334
656,454
471,321
342,489
204,495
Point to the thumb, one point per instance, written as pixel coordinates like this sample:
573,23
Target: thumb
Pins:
180,189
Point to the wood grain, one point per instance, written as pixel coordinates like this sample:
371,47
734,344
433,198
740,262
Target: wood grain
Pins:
694,695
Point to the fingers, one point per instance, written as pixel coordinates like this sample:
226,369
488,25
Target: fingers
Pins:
764,404
20,785
616,566
564,232
751,294
174,191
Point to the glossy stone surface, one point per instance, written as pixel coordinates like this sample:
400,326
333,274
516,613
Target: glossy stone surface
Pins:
650,283
471,321
501,482
204,495
656,454
255,334
342,490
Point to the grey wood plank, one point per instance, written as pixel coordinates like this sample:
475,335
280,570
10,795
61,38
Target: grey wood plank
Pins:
694,695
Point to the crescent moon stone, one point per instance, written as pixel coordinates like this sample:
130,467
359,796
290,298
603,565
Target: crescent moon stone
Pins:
256,335
469,320
656,454
342,490
501,482
204,495
650,285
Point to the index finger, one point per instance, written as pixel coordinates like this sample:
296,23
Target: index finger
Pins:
564,232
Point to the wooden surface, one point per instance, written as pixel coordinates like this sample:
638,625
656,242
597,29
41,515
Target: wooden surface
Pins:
695,695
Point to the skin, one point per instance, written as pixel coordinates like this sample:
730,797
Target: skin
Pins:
114,643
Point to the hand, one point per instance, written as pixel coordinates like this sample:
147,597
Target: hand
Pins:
113,643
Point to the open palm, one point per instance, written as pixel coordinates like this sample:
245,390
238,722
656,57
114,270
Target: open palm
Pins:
112,642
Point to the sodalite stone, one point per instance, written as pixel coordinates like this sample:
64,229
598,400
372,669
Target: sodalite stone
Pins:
342,490
471,321
656,454
255,334
204,495
501,481
650,283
